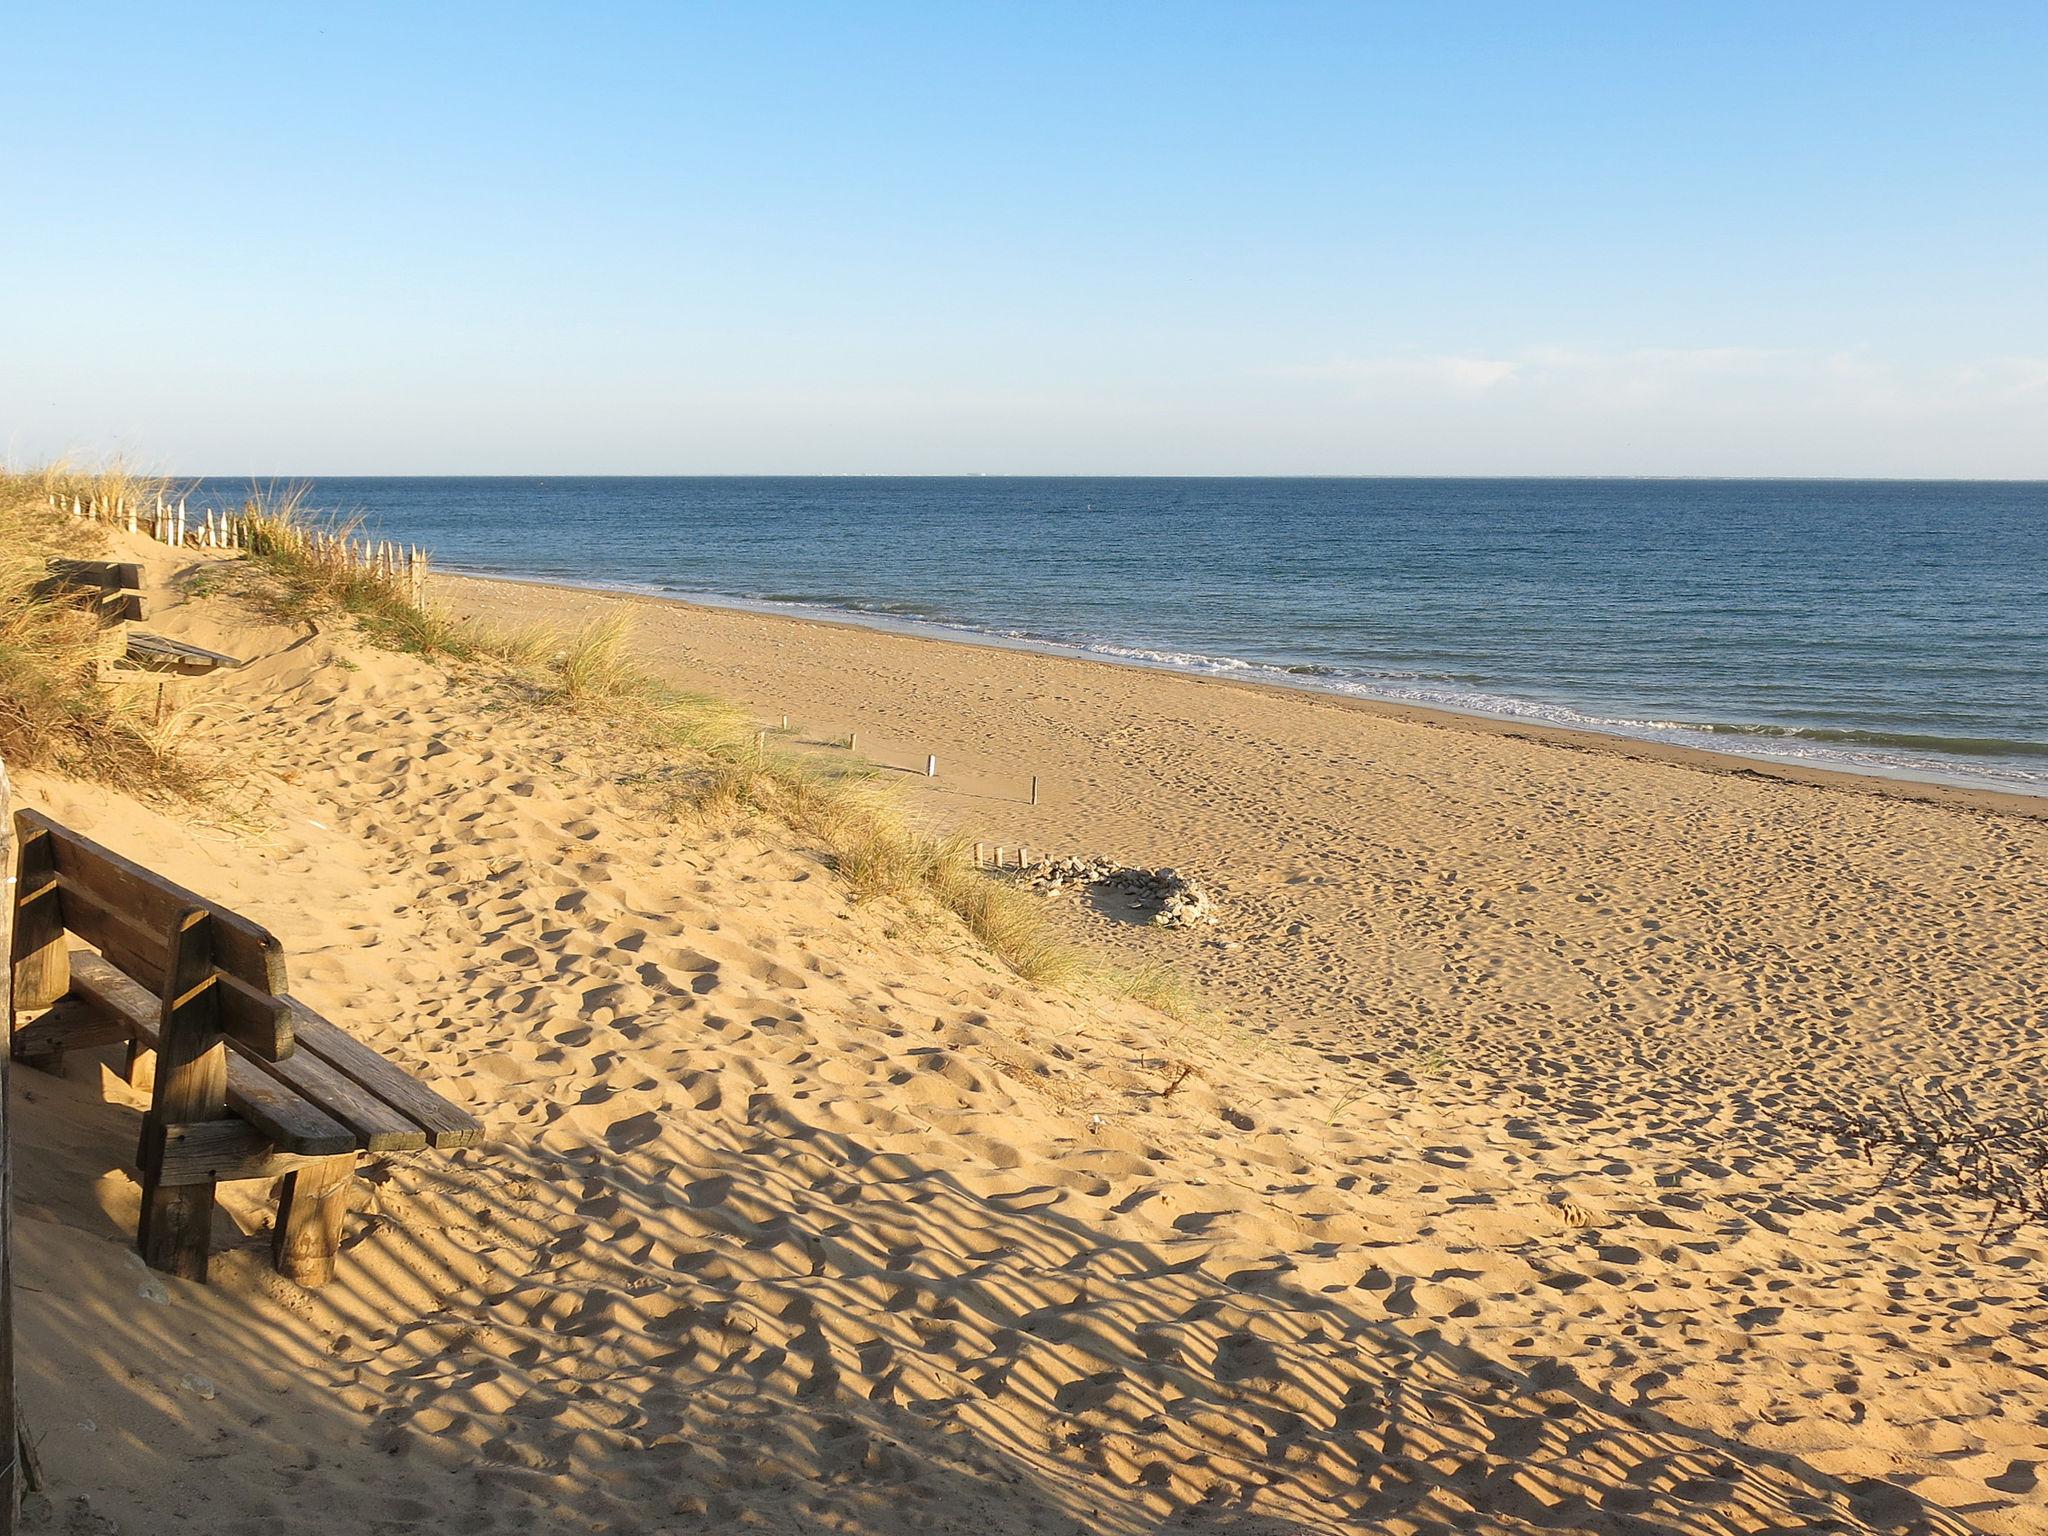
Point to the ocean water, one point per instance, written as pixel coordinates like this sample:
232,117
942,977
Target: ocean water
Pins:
1885,627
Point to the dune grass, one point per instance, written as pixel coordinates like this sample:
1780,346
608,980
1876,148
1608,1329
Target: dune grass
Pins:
726,773
312,578
716,766
58,709
842,809
731,775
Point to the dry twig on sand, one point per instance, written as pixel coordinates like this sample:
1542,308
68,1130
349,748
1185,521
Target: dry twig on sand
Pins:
1937,1138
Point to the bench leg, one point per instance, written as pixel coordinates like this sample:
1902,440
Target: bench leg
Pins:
140,1066
310,1209
176,1232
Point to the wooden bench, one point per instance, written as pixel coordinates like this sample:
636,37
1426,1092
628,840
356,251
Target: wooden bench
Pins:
248,1082
107,587
158,653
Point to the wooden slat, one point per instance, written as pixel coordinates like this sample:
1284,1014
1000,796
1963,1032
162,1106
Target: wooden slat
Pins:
289,1120
69,1026
106,587
150,903
445,1124
220,1151
143,954
257,1021
158,653
39,955
90,576
377,1126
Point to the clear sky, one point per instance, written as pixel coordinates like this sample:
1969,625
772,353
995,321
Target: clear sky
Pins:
1108,237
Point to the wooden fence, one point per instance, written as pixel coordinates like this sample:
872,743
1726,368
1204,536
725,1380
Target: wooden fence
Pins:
399,565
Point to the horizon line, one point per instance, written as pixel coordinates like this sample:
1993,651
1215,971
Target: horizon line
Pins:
1086,475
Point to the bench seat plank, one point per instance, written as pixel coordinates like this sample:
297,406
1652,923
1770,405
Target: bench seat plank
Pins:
159,653
287,1119
376,1125
445,1125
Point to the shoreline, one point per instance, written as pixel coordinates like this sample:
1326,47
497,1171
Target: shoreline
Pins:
1703,760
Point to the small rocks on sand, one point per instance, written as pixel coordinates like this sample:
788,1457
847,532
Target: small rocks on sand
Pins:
1173,900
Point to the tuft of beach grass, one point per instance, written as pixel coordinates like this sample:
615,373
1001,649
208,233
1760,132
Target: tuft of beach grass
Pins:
59,710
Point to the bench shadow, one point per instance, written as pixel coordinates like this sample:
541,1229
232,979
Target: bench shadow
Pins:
775,1323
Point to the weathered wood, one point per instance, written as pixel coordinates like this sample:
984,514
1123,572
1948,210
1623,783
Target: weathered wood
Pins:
146,903
310,1212
176,1232
69,1026
140,1069
10,1431
41,967
268,1110
159,653
444,1124
289,1120
104,586
222,1151
377,1127
256,1020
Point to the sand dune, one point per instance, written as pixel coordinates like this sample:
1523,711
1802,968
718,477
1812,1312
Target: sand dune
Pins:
1494,1203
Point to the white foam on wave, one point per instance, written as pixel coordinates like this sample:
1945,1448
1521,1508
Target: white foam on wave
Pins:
1391,687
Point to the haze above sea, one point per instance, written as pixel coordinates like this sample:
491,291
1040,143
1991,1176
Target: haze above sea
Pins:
1879,626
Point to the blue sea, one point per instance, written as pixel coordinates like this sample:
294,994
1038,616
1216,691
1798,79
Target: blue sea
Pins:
1887,627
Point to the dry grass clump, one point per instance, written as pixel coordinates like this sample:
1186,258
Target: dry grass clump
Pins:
1936,1137
843,811
313,577
593,675
873,847
57,709
1158,985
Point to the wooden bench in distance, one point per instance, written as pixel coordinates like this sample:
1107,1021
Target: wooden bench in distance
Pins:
157,653
249,1083
107,587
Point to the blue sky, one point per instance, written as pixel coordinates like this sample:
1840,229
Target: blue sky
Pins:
1032,238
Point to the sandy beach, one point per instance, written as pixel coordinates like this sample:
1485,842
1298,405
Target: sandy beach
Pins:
1402,880
1496,1196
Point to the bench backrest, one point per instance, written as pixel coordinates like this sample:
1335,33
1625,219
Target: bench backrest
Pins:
144,924
110,584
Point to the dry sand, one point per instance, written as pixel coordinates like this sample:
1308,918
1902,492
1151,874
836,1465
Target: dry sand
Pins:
1495,1202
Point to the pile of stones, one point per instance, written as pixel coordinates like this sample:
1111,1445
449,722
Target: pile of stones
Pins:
1172,898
